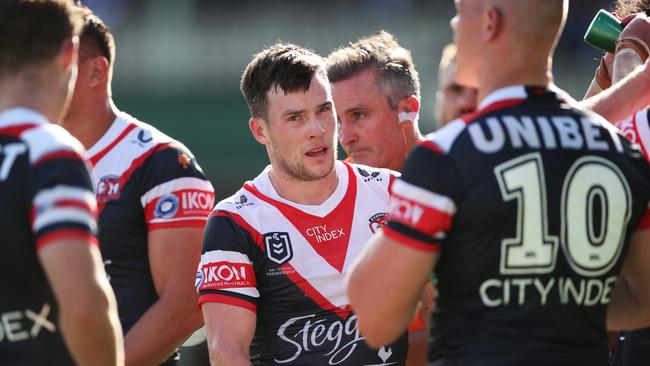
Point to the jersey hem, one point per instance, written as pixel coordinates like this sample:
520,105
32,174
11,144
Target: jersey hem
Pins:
223,299
410,242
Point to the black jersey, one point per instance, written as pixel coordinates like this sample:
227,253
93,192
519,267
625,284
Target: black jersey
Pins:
286,262
144,181
46,195
531,203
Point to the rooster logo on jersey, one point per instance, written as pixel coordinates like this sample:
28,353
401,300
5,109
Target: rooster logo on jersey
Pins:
377,222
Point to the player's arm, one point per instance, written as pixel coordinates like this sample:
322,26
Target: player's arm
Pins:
396,264
63,223
230,333
87,309
382,292
229,305
173,255
629,307
176,200
629,74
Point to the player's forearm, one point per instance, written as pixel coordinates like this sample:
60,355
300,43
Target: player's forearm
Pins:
93,332
624,98
162,329
625,62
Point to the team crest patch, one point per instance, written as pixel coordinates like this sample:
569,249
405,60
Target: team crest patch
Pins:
377,222
278,247
108,188
184,160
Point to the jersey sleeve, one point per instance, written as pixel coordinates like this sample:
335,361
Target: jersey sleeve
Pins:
226,272
423,199
174,192
60,194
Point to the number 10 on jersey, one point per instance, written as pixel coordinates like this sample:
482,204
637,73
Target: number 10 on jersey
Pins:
595,210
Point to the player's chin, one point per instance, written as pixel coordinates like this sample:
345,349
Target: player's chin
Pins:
321,169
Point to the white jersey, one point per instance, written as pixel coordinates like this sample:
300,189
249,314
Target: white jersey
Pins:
637,129
287,262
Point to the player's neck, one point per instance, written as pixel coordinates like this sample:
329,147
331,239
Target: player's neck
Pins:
15,92
91,121
495,76
303,192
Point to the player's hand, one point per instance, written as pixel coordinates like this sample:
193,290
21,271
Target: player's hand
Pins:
635,35
604,71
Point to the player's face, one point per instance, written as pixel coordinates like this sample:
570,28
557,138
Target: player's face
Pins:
455,99
466,26
301,128
369,129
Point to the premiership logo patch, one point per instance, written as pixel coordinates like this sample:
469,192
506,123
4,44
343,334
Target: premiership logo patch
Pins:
278,247
377,222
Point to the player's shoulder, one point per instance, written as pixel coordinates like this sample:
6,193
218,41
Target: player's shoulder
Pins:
239,202
443,140
42,138
369,173
146,135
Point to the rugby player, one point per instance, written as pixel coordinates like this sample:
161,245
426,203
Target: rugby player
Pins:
376,92
153,202
56,306
535,205
276,252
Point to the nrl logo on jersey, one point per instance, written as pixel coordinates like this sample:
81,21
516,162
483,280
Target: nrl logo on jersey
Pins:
377,221
278,247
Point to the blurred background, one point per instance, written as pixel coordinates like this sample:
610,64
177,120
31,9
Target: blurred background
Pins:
179,61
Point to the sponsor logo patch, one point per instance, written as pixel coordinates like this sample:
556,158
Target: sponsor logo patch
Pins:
369,176
166,207
406,211
223,275
278,247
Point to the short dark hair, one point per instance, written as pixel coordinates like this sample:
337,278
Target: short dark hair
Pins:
627,7
32,32
397,76
285,66
96,37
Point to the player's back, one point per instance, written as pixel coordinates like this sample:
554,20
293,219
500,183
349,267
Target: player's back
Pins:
544,200
44,187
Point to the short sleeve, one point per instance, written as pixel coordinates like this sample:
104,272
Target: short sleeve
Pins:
226,272
62,201
174,191
423,199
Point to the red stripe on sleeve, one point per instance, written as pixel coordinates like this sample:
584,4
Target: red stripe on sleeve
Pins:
191,223
63,234
229,300
410,242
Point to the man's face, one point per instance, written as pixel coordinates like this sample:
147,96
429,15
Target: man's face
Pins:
369,129
300,131
466,26
455,99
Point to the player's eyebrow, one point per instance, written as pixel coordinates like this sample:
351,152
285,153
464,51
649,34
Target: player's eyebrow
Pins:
291,112
326,104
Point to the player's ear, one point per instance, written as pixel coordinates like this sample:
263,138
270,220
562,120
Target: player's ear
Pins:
492,23
258,129
99,70
408,109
